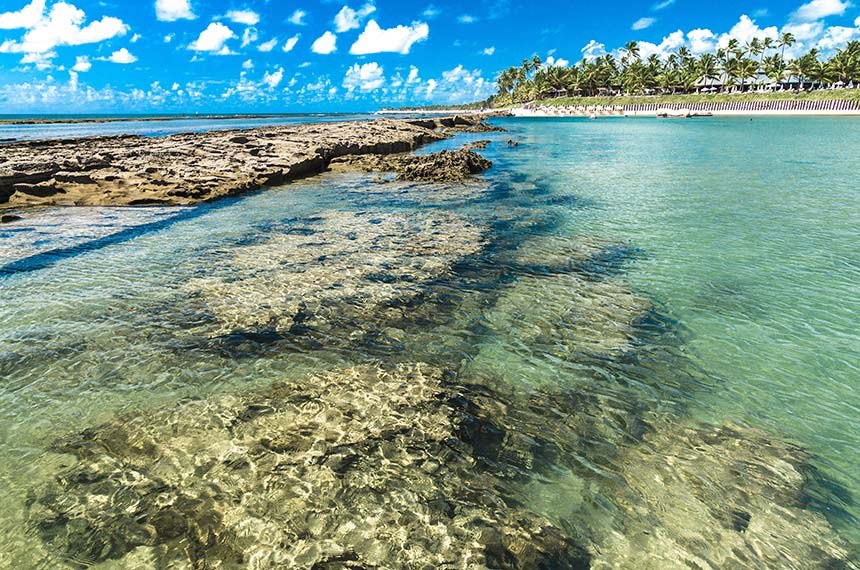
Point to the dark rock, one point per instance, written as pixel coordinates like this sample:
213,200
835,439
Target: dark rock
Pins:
9,218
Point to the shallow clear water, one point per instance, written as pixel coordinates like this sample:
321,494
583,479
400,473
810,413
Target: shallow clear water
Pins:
34,131
637,336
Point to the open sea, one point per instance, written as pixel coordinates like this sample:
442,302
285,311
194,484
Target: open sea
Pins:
632,343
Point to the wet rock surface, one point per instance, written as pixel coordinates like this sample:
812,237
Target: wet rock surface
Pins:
188,168
458,123
442,166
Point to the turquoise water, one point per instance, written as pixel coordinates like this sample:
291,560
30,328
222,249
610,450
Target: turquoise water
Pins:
631,344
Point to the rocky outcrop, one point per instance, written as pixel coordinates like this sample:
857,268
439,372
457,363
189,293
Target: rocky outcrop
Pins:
188,168
458,123
443,166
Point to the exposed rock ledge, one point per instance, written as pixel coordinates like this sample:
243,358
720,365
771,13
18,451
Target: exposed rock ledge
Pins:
443,166
189,168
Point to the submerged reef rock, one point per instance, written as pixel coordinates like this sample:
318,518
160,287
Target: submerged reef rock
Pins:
442,166
707,497
566,313
188,168
564,254
339,267
363,467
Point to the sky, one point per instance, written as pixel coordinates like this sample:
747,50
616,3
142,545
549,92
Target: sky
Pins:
205,56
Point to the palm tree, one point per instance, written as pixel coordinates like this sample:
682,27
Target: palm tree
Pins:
786,40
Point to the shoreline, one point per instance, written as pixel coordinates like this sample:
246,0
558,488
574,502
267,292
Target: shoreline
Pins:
526,113
190,168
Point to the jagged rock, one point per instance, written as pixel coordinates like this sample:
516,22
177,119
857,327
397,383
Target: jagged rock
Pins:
9,218
188,168
442,166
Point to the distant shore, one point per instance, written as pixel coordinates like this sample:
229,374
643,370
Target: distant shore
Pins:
560,112
71,119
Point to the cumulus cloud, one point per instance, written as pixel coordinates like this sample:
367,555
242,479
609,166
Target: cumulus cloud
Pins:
393,40
593,50
489,51
268,46
245,17
349,19
213,39
26,17
837,36
82,64
172,10
819,9
702,41
121,56
365,77
298,18
431,11
643,24
745,30
552,61
291,43
64,25
467,19
272,80
248,64
325,44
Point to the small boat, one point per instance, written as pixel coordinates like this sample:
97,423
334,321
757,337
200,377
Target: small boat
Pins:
673,113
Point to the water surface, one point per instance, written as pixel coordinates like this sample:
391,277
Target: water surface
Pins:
632,343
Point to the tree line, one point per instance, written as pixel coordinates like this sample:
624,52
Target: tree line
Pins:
736,67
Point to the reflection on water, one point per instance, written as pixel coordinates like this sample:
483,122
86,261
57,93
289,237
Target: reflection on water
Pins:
353,374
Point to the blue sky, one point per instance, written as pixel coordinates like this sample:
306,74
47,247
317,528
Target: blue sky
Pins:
63,56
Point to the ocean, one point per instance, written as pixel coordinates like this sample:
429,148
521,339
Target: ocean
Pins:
632,343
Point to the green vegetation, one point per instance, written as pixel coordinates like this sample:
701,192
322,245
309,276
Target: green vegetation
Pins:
735,72
693,98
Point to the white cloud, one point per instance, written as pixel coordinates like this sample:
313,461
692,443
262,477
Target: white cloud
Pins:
249,36
413,75
172,10
857,22
460,84
64,25
325,44
552,61
291,43
122,56
298,17
349,19
745,30
818,9
431,87
268,46
394,40
248,64
701,40
805,31
366,77
245,17
837,36
467,19
135,38
213,39
169,38
661,5
593,50
666,47
272,80
489,51
42,61
27,17
642,24
431,11
82,64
